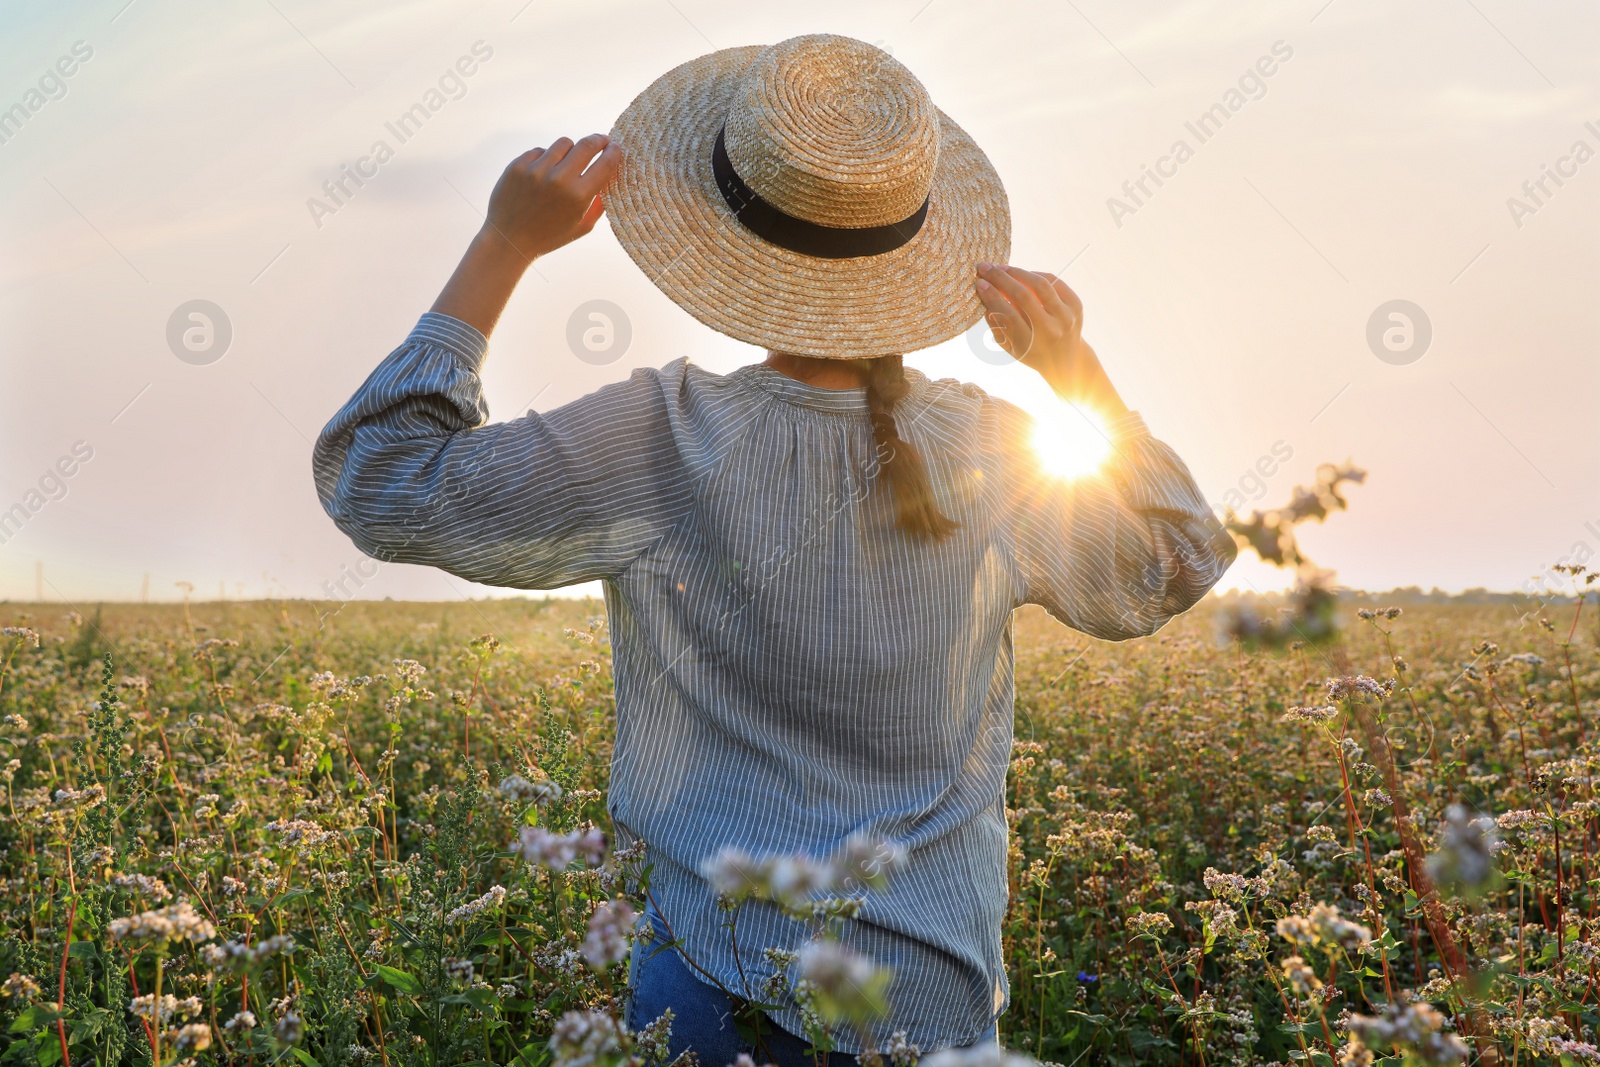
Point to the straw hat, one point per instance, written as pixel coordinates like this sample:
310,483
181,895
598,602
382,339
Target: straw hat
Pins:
809,198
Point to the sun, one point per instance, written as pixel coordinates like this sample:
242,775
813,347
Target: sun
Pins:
1072,441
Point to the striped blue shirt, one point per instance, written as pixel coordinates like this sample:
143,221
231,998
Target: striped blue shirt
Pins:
789,668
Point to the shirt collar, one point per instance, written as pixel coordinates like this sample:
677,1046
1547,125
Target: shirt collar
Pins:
794,391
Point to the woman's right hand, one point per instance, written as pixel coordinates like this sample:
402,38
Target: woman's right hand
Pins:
546,198
549,197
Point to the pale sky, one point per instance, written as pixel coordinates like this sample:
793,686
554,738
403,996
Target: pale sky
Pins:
1230,303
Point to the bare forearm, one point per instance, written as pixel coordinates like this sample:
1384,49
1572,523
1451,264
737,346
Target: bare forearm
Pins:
483,282
1039,320
545,199
1082,380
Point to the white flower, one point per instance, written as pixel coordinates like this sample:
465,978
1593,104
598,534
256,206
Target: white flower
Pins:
19,987
196,1037
1149,924
607,940
410,670
557,851
542,792
1414,1028
793,881
1519,820
1325,927
170,1008
301,832
81,798
845,984
585,1039
154,888
244,1020
180,922
1300,976
26,634
1311,715
232,955
986,1055
492,899
1358,685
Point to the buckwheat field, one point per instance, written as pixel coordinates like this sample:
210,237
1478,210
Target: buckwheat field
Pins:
297,833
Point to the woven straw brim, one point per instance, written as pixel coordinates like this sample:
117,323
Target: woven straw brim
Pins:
668,214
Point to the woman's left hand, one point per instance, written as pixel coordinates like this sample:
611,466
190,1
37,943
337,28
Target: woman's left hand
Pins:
1038,320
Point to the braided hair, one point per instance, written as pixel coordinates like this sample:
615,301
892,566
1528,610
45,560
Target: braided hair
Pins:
916,511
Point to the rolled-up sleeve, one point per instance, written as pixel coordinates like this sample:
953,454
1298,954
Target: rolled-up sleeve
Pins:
1118,553
410,470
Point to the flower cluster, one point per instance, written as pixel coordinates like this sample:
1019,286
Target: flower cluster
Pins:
81,798
1325,928
1416,1029
985,1055
180,922
25,634
143,884
845,985
515,787
795,881
168,1009
1356,686
495,897
196,1037
301,833
586,1039
234,955
610,925
19,987
557,851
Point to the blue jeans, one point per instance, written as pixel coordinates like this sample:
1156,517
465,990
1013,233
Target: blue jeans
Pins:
702,1015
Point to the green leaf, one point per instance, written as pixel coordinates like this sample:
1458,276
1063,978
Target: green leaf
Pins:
34,1017
482,999
405,933
532,1055
21,1051
90,1024
405,983
306,1058
84,950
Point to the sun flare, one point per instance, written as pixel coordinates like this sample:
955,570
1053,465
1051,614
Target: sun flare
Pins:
1072,441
